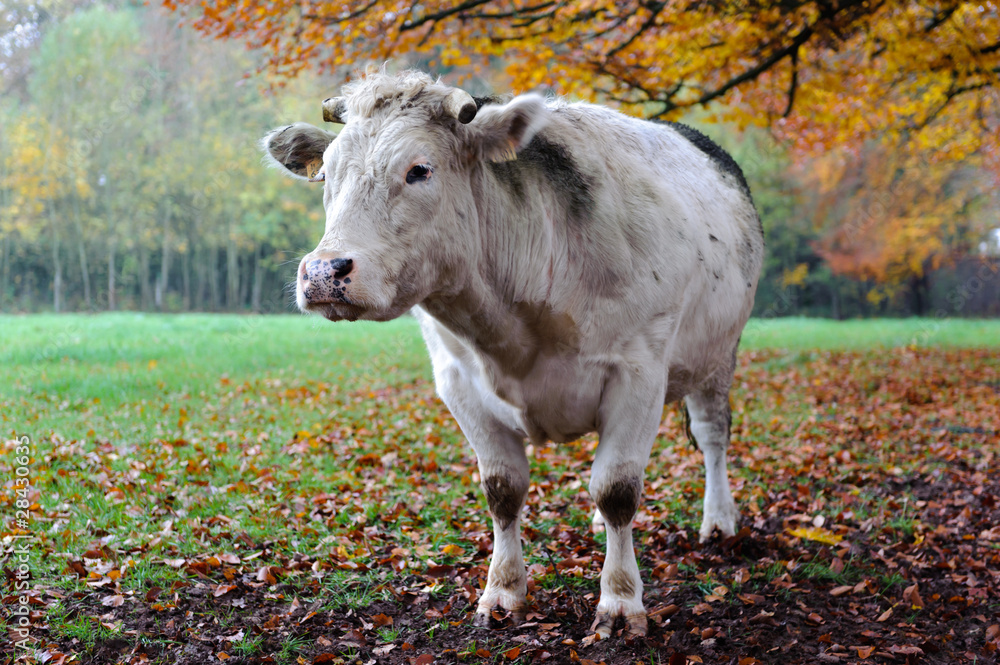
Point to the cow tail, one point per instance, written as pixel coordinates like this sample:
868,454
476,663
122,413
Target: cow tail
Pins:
687,426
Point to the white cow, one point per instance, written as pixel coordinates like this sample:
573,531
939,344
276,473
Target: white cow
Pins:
572,270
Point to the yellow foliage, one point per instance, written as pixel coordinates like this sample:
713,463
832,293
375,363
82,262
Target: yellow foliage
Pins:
35,170
796,276
820,74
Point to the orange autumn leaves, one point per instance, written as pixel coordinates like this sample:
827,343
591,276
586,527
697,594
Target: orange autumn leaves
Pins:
891,108
822,72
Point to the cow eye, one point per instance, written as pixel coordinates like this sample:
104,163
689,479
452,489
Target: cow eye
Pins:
418,173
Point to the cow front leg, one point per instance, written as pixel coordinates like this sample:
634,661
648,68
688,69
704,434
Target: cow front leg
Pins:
710,425
630,416
503,467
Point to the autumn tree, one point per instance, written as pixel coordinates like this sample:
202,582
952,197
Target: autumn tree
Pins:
901,85
130,175
883,217
822,72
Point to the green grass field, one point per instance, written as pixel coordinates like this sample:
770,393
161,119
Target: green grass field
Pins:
74,360
161,445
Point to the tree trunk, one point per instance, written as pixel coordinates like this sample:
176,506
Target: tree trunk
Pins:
5,270
84,273
112,295
200,277
186,275
81,248
145,294
57,295
232,275
213,278
161,292
258,277
246,279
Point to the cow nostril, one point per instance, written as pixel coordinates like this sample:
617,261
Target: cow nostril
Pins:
341,267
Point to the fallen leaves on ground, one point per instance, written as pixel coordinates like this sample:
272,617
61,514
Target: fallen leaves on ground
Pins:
867,482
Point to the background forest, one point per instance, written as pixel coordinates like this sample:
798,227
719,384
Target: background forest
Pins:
130,179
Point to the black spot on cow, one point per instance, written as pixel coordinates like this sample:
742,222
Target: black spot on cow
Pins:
619,500
555,164
504,498
722,159
712,238
701,257
746,255
511,175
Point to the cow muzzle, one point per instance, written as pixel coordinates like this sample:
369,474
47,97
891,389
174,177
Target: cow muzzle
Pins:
324,280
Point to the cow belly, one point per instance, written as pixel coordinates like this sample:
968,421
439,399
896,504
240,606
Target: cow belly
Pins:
560,397
557,400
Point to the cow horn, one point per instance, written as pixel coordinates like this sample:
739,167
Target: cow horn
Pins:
334,110
460,105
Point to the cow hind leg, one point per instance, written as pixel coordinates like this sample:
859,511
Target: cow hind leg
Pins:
710,424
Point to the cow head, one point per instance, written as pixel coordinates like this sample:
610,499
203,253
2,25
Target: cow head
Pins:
401,208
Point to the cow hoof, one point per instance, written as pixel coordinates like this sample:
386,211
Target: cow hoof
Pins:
483,617
637,625
605,623
728,530
724,518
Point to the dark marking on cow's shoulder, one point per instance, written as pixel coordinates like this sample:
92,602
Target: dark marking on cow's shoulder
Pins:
619,500
712,238
556,165
656,277
722,159
511,175
701,257
503,498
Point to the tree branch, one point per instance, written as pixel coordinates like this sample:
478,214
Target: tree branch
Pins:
648,23
444,13
794,84
353,15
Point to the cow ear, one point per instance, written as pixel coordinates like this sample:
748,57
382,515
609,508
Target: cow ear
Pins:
298,148
498,132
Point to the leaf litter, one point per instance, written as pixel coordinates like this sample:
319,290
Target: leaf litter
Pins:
868,485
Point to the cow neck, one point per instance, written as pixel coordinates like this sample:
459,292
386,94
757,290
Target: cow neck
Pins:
502,305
